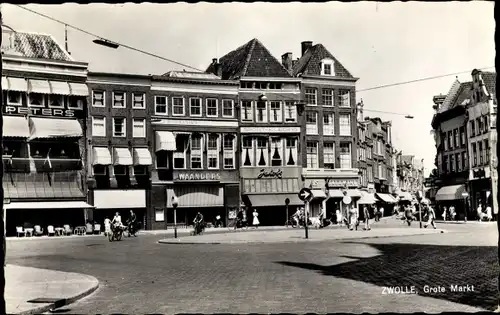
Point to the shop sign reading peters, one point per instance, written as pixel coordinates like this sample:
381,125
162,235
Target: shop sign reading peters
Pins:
8,110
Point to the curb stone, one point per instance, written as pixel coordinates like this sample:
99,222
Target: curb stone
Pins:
67,301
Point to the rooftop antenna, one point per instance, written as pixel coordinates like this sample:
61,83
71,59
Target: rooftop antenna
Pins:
66,38
217,47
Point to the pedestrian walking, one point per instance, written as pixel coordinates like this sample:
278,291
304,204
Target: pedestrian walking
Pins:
255,221
366,214
444,213
480,213
381,212
338,217
453,214
430,217
107,226
489,216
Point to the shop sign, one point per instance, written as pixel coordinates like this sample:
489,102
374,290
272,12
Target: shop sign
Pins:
198,176
51,112
270,173
352,182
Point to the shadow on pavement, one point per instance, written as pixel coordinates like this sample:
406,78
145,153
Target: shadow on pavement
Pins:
424,265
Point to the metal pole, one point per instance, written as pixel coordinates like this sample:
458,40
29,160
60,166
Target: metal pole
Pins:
420,213
286,207
306,218
175,221
465,210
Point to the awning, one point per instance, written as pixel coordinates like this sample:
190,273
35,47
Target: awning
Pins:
142,156
339,193
54,128
48,205
59,88
122,156
165,140
79,89
15,127
386,198
354,193
14,84
367,199
453,192
39,86
274,200
196,196
405,196
318,194
120,199
101,156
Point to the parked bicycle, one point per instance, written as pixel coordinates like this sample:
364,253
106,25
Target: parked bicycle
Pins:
235,224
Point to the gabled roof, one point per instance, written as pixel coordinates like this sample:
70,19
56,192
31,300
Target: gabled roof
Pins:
309,63
452,93
33,45
490,81
463,96
252,60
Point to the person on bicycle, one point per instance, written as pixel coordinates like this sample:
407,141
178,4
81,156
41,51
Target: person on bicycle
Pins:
297,216
198,223
117,220
131,221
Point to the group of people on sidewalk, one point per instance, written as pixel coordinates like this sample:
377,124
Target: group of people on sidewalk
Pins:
109,225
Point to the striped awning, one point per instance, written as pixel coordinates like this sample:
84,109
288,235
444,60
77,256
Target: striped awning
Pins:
165,140
59,88
15,127
142,156
453,192
318,194
101,156
14,84
196,196
122,156
367,199
266,200
386,198
79,89
45,128
39,86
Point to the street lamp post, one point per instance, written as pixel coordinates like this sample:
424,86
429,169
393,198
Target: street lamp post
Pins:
175,203
287,202
465,195
306,210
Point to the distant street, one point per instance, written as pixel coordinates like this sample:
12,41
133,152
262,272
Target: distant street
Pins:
138,275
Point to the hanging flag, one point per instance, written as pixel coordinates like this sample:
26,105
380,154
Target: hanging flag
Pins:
47,160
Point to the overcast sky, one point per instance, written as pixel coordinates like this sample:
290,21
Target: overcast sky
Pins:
380,43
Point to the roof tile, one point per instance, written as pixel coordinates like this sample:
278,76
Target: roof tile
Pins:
490,81
32,45
309,63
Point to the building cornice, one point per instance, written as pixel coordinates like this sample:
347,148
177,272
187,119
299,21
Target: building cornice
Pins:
76,64
321,81
272,79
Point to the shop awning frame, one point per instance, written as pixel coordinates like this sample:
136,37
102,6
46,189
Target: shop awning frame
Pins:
101,156
386,198
165,141
453,192
318,194
120,199
59,88
14,84
142,156
122,156
48,128
49,205
264,200
39,86
16,127
79,89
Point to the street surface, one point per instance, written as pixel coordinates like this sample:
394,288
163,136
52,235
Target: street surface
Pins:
138,275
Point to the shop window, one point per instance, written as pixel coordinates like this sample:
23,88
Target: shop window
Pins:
276,114
160,105
120,170
261,112
248,154
329,155
119,100
290,112
100,170
36,100
98,98
246,111
14,98
276,151
56,101
228,108
212,107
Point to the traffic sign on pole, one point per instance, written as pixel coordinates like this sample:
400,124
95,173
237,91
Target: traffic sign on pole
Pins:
305,194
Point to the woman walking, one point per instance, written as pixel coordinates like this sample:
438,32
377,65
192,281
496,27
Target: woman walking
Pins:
255,222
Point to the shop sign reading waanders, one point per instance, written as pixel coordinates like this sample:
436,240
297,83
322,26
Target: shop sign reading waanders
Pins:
198,176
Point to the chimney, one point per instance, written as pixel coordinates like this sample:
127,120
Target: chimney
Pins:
305,46
286,60
217,69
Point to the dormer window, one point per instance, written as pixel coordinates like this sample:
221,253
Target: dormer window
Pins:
327,67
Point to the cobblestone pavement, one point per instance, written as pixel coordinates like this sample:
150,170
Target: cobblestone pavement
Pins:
137,275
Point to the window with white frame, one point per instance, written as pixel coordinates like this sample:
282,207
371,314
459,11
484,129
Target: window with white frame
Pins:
312,123
275,112
328,124
291,151
344,98
56,101
196,151
228,108
138,100
368,153
195,107
138,128
480,150
178,106
180,153
329,155
212,107
312,154
160,105
452,162
75,102
119,100
276,151
213,151
458,160
119,127
229,151
345,124
98,126
290,112
248,154
246,111
327,95
327,67
14,98
380,170
36,100
487,151
369,171
261,112
98,98
345,155
311,96
262,152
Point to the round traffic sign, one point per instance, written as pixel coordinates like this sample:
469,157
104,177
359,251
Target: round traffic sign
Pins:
347,200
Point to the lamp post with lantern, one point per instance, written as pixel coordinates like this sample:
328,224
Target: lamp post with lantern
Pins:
287,202
175,203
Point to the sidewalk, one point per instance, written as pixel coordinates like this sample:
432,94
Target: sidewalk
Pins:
53,289
297,236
